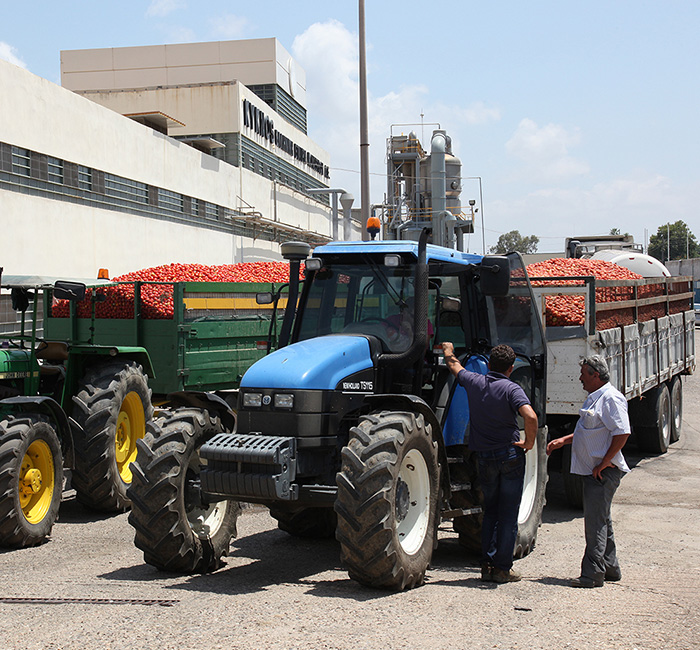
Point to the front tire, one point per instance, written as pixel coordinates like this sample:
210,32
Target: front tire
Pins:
31,481
388,499
175,529
112,406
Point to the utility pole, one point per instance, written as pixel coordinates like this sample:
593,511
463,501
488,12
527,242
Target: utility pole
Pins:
364,129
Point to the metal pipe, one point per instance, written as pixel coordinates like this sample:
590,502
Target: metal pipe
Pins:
364,129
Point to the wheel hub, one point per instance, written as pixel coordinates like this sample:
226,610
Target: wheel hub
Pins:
403,499
31,481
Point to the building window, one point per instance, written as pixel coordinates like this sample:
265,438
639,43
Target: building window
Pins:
126,189
55,170
195,207
211,211
21,161
170,200
84,178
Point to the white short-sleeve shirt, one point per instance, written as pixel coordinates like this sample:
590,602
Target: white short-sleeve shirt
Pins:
602,416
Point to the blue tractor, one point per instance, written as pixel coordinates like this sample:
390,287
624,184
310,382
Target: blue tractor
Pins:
353,427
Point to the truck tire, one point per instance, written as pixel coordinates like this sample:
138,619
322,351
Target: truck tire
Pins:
676,394
31,481
174,528
573,483
656,439
388,500
112,406
531,504
306,522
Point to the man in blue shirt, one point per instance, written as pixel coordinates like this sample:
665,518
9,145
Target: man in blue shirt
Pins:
494,436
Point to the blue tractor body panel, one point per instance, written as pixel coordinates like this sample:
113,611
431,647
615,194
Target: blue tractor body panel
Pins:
315,364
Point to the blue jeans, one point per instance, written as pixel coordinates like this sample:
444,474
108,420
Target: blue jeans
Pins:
501,476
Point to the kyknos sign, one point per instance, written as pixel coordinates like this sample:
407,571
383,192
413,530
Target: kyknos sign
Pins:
255,119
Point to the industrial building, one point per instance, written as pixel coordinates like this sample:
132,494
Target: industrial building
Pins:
149,155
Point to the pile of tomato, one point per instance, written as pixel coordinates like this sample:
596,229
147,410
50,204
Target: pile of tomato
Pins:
570,309
117,301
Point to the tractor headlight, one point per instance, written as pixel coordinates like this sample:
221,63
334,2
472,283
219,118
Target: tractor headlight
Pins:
252,400
284,401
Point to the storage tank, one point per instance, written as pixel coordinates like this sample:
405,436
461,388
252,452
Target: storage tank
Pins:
646,265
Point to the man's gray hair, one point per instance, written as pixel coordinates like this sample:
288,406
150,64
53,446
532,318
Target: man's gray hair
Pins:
597,364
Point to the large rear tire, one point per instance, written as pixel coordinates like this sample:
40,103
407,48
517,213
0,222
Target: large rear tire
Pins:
388,499
655,439
531,503
112,406
306,522
31,481
176,530
534,496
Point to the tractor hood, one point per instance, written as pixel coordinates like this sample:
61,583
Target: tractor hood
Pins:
317,364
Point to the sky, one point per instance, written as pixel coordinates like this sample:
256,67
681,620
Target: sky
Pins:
569,118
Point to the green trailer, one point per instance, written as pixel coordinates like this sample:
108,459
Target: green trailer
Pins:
106,356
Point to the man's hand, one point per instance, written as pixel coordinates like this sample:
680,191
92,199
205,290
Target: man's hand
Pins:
451,361
558,443
598,469
448,349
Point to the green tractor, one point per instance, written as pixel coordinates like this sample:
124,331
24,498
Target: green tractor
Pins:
70,414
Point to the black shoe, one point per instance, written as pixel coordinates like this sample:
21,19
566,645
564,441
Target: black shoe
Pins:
585,583
486,573
613,575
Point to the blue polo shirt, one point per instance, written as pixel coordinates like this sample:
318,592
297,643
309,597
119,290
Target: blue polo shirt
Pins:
494,401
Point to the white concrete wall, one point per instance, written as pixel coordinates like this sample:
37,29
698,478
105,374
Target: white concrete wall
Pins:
55,237
252,61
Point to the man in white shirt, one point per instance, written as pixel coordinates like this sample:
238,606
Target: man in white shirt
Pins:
596,453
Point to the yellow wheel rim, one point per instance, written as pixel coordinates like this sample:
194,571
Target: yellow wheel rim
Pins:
36,482
131,426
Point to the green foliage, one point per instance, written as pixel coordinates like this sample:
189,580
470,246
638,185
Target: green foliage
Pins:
683,244
514,241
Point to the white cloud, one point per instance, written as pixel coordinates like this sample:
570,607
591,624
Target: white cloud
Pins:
9,53
545,151
638,203
229,26
329,54
164,7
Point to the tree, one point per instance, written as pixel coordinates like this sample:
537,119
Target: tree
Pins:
514,241
616,231
683,242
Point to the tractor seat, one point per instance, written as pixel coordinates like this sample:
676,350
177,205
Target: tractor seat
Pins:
52,351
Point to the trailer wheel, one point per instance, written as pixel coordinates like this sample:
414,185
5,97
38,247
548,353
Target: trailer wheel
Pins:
112,406
387,500
531,504
656,438
175,527
306,522
31,481
676,395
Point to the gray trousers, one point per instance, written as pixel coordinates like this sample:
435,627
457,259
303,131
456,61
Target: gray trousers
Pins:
600,555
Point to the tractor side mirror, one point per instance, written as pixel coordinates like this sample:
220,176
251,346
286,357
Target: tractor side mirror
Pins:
264,298
494,272
66,290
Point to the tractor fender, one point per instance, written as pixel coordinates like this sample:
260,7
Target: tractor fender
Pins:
417,405
50,408
205,402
